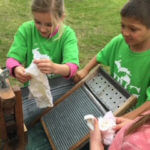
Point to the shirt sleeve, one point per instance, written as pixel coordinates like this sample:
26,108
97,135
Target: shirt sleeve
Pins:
18,49
73,70
70,47
11,63
107,54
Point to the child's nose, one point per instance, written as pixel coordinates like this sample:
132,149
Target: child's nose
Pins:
125,32
42,28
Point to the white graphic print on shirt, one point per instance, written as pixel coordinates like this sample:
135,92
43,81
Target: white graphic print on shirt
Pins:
123,76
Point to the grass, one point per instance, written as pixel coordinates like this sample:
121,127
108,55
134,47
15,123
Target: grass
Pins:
12,14
95,23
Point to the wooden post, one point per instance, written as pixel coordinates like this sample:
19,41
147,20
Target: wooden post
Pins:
13,132
5,94
3,130
22,135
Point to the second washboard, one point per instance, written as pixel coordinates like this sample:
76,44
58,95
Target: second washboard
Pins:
96,94
59,86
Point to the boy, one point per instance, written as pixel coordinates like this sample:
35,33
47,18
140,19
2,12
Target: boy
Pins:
128,55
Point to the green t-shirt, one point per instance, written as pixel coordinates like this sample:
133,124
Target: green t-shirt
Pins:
61,50
130,69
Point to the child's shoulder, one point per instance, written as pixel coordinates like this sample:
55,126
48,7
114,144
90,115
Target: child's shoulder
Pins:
68,29
27,25
31,22
118,38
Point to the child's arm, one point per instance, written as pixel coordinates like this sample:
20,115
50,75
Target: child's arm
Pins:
96,138
133,114
47,66
73,70
17,70
11,63
83,72
21,75
120,122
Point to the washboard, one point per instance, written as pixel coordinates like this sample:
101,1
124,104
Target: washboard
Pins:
59,86
96,94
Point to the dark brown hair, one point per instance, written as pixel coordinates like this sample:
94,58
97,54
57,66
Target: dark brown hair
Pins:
139,10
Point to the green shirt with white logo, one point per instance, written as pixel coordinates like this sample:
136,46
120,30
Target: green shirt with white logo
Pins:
130,69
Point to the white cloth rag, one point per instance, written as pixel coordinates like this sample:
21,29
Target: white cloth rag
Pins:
39,85
106,125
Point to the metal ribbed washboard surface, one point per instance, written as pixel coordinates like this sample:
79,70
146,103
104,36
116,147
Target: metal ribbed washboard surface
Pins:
107,91
65,123
59,86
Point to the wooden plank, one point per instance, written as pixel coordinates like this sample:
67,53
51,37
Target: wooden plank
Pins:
80,143
48,135
19,115
3,135
11,104
131,101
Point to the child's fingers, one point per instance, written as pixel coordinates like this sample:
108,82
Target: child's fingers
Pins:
28,77
76,78
38,61
44,65
21,79
79,75
21,76
118,127
96,126
119,120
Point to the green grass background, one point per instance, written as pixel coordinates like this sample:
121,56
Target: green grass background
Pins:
96,22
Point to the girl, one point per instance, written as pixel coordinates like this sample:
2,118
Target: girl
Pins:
47,33
133,136
128,54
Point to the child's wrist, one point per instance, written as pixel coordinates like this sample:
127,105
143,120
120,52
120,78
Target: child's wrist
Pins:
55,69
61,69
14,71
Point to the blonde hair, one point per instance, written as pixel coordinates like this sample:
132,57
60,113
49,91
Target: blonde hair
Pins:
56,9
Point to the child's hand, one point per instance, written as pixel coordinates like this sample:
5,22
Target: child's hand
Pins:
45,65
20,75
120,121
80,75
96,137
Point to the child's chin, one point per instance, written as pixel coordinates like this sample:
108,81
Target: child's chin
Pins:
130,42
44,35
